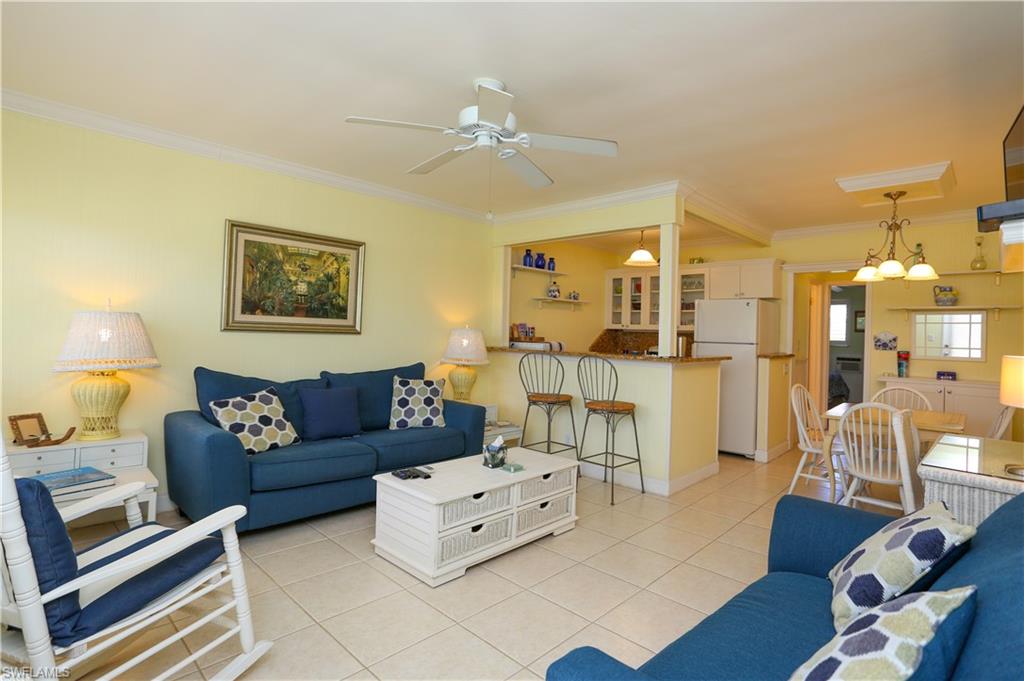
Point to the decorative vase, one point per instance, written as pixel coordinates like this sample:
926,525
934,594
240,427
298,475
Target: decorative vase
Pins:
945,296
528,258
539,262
554,291
551,264
979,260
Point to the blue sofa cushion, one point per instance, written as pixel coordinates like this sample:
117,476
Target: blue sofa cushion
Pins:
52,555
765,632
413,447
374,391
330,412
311,463
993,564
131,595
916,635
217,385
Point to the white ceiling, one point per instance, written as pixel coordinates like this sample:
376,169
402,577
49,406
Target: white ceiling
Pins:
758,106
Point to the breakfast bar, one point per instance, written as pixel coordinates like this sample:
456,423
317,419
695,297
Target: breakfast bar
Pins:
676,402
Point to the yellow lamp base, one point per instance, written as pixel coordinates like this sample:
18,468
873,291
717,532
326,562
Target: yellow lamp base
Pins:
99,397
462,379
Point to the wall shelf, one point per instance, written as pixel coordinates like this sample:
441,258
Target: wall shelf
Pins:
536,270
560,301
954,308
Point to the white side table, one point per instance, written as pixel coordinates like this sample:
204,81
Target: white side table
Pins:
511,433
969,475
126,457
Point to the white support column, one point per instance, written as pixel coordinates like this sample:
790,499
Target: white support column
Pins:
668,296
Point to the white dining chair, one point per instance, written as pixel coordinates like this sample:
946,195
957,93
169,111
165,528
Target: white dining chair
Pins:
878,442
902,398
1001,423
811,435
65,614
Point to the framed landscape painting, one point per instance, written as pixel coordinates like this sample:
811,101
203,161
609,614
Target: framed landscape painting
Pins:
282,280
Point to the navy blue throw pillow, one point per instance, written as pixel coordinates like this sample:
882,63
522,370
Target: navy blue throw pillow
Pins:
52,554
330,412
374,391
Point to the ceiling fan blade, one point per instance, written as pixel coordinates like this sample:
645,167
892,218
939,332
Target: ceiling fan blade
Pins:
436,161
577,145
393,124
493,106
526,169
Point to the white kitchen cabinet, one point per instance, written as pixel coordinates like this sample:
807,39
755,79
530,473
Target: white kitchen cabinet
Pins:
693,285
627,303
745,279
979,400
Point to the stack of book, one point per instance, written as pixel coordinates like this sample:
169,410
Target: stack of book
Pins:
75,480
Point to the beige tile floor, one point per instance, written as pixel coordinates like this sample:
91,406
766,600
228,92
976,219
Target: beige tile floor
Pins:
629,580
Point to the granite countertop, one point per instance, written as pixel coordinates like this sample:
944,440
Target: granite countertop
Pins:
636,358
776,355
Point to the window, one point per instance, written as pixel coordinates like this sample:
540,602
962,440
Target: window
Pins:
837,323
954,335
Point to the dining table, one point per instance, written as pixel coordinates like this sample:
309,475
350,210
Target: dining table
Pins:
931,425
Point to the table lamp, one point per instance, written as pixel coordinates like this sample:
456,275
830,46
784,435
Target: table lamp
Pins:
465,349
100,343
1011,392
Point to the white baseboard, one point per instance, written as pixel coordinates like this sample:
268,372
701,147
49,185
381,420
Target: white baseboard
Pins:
164,503
693,477
662,488
764,456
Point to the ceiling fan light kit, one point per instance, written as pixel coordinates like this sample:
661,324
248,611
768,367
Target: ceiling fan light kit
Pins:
876,269
490,125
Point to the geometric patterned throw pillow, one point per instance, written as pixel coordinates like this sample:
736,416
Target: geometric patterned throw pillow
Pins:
416,403
891,560
888,642
257,419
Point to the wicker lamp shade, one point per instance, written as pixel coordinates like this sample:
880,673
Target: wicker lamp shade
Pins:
106,341
101,343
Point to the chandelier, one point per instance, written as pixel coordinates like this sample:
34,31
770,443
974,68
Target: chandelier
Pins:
876,269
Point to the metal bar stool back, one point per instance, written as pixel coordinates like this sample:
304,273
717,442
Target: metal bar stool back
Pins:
542,375
599,384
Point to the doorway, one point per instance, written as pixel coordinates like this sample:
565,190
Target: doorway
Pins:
838,329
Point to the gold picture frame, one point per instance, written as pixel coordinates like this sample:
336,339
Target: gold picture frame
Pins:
283,280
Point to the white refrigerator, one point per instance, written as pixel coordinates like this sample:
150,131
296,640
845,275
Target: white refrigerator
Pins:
741,329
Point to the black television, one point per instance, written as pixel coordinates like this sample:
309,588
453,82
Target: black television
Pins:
991,216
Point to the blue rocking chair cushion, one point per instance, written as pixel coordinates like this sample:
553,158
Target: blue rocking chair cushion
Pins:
131,595
52,554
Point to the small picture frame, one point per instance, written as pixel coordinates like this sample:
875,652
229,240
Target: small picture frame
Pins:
858,321
28,427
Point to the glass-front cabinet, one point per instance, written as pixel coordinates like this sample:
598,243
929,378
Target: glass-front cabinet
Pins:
692,287
614,305
653,291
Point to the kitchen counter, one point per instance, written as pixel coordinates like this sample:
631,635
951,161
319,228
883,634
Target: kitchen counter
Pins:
776,355
624,357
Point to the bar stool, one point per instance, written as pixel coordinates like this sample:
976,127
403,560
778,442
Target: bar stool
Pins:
599,383
542,375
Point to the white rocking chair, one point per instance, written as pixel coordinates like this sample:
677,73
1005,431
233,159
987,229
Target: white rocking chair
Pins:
163,569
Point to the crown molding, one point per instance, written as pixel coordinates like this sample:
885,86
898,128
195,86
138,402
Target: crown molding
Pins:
931,172
654,191
698,199
928,220
83,118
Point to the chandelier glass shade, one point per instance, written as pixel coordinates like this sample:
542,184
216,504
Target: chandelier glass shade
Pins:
641,257
878,269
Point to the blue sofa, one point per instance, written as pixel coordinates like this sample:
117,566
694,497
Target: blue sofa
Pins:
208,469
772,627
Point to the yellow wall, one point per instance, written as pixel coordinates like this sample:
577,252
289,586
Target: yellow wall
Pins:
576,326
773,412
89,216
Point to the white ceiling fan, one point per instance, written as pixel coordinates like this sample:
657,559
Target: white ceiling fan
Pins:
492,125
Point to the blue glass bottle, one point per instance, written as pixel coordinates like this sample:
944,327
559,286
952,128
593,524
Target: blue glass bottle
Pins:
551,264
539,262
528,258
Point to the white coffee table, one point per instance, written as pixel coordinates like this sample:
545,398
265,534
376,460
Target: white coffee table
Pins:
466,513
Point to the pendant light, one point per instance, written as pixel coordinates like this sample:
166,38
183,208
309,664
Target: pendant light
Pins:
876,269
641,257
